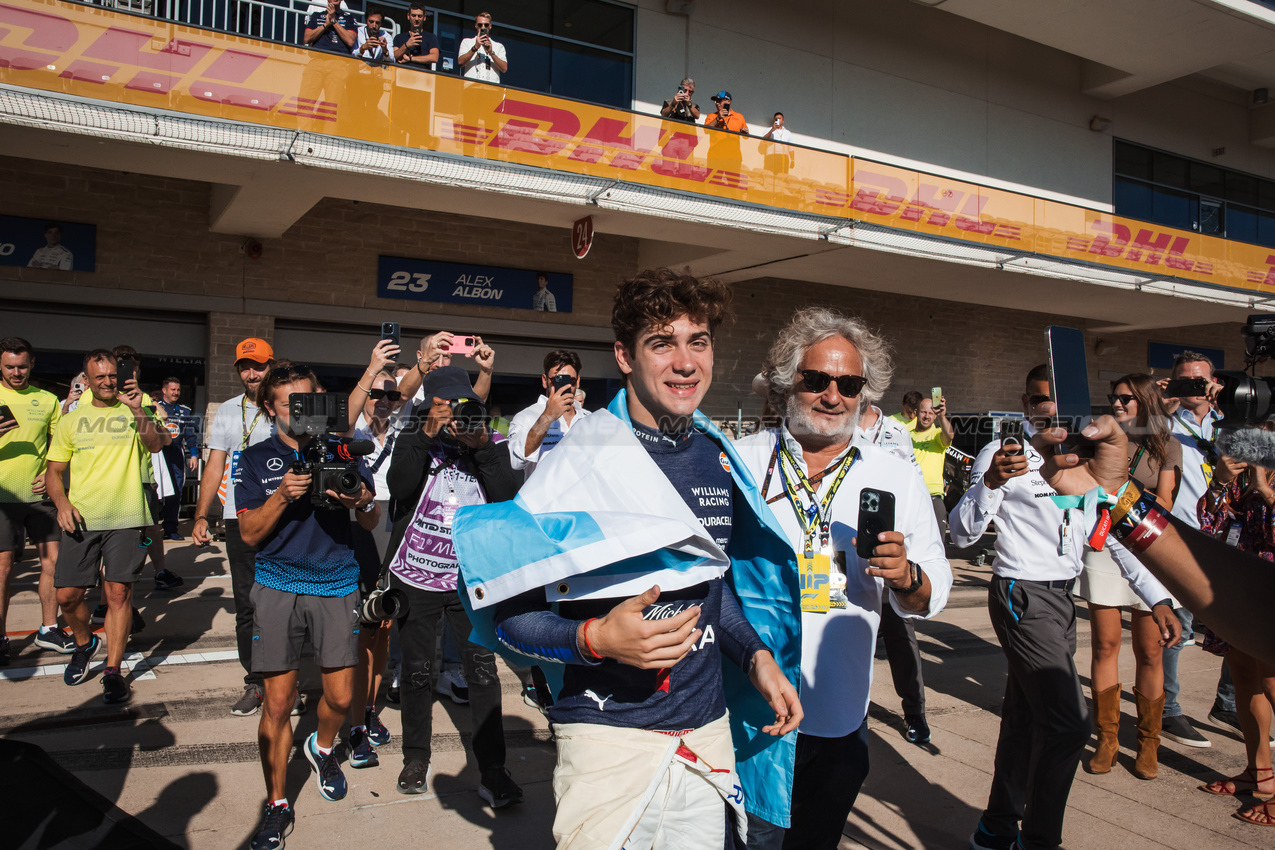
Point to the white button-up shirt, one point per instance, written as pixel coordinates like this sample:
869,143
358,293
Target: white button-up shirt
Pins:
1030,528
837,647
519,457
1189,433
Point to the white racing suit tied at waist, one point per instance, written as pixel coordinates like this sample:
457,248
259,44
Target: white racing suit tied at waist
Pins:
637,789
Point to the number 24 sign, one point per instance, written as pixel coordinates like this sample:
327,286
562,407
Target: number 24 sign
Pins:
582,237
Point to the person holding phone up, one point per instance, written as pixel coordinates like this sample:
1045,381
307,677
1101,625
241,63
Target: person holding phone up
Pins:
932,433
1039,542
541,426
823,371
481,58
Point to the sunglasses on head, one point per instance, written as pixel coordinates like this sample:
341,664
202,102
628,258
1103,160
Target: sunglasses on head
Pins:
295,370
848,385
392,395
1037,399
1123,398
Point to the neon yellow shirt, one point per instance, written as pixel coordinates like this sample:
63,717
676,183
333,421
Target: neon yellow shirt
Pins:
929,449
23,450
106,456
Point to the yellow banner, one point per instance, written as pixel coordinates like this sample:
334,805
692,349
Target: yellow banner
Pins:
110,56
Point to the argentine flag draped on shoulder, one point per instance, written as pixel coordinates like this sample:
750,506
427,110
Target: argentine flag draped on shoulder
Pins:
599,520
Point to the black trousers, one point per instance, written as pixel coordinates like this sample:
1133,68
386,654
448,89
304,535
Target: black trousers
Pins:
1044,718
904,656
242,560
172,504
417,634
826,781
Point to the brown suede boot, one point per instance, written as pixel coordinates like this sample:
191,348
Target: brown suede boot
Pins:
1106,720
1150,716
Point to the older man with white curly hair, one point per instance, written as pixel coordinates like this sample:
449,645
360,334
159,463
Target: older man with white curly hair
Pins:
822,372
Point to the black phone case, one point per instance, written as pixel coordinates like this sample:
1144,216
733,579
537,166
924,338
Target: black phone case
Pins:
390,331
6,414
1183,387
876,514
124,371
1011,434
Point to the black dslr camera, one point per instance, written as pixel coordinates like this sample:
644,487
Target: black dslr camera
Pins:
331,462
1246,399
468,414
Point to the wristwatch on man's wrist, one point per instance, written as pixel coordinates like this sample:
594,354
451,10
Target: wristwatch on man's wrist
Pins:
916,580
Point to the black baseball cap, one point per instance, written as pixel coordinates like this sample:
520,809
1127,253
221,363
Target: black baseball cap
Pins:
447,382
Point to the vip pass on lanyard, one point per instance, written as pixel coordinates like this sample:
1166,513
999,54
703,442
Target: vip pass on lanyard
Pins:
815,569
1210,449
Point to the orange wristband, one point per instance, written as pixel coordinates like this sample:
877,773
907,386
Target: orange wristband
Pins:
584,632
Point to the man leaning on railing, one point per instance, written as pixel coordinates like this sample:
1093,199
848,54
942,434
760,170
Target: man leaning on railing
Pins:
333,29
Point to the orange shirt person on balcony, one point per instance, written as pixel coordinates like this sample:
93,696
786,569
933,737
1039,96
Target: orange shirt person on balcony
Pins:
332,30
724,118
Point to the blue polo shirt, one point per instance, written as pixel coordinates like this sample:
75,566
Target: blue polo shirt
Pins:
310,552
330,41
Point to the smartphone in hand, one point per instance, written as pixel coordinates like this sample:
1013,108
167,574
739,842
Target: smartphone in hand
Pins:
462,344
390,331
876,514
1012,436
125,371
1186,388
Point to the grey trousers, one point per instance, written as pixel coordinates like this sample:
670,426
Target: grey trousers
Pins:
899,636
1044,718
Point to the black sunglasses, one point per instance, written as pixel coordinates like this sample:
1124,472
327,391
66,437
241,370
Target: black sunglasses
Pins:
297,369
1123,398
848,385
392,395
1037,399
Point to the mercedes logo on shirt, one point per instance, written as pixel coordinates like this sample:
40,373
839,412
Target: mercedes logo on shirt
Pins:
274,464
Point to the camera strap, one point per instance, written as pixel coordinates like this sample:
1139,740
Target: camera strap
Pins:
385,452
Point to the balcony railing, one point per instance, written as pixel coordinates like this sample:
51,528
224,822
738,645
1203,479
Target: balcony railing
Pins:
177,78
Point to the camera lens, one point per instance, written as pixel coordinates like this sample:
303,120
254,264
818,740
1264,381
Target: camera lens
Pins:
348,483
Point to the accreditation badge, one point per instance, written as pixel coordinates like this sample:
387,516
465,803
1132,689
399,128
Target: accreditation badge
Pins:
815,583
1207,468
837,585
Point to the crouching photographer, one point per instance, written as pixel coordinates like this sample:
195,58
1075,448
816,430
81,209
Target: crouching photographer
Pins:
443,461
294,493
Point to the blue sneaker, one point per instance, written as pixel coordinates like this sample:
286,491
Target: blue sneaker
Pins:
78,670
982,839
376,731
361,752
275,827
327,769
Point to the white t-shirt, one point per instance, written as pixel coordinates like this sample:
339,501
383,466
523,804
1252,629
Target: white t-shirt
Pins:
780,134
523,422
837,647
480,65
379,460
1189,433
237,425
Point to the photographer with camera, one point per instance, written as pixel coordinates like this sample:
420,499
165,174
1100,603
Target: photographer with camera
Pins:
294,495
680,107
449,461
540,427
481,58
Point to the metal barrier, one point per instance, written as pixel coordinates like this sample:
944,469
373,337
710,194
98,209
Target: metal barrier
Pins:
271,20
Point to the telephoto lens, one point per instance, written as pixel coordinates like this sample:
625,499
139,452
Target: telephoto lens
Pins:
381,605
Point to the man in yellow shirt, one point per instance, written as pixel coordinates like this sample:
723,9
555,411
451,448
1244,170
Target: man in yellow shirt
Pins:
931,435
105,515
25,510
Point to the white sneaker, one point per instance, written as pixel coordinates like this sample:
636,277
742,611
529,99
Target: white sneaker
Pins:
452,683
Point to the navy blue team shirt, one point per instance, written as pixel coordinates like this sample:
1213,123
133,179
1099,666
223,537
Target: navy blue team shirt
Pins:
688,695
330,41
310,552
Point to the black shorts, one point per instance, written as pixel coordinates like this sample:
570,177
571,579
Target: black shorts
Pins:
34,521
281,621
118,551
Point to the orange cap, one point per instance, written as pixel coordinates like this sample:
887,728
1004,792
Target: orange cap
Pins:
256,350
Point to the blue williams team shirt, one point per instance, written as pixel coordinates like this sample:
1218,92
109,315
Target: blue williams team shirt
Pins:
330,41
688,695
310,552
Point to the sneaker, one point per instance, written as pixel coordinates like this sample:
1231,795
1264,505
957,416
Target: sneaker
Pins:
167,580
99,616
275,827
918,731
452,684
1178,728
498,788
393,695
174,536
984,840
414,779
78,669
249,702
4,652
114,687
531,697
55,639
138,623
377,734
300,704
362,753
1224,719
327,770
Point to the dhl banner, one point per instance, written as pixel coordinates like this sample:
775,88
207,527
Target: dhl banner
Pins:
90,52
